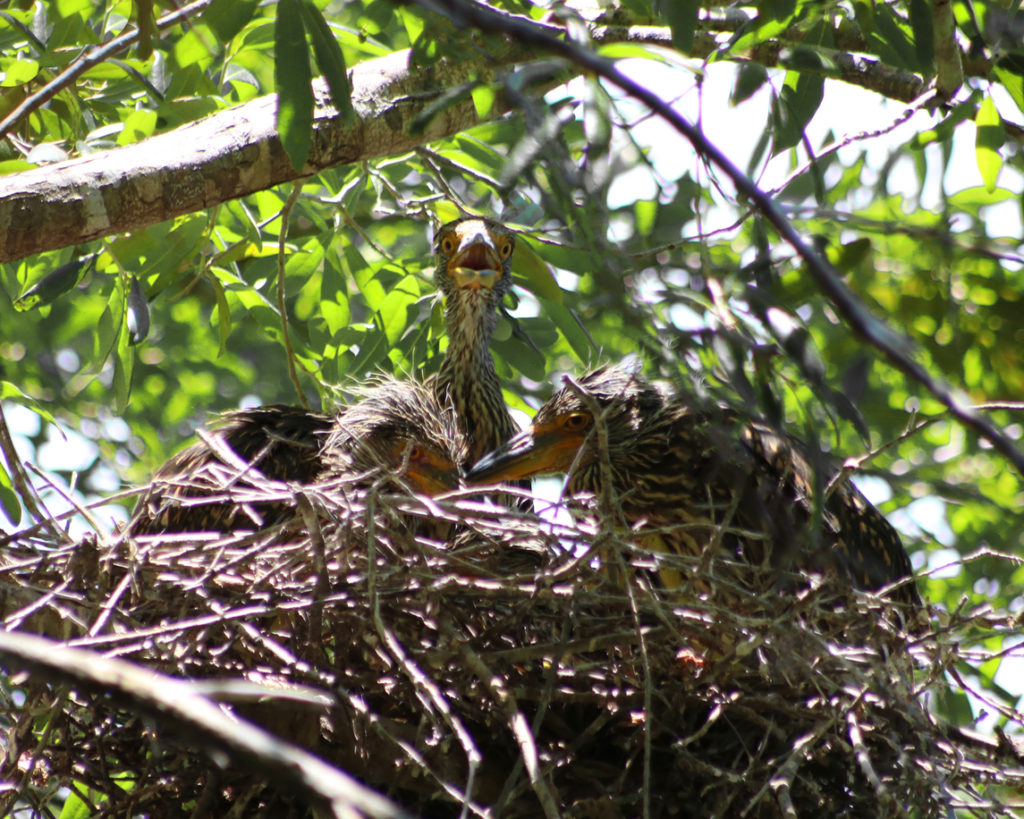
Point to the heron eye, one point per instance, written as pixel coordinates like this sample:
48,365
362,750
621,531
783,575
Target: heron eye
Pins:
447,244
505,248
577,421
415,452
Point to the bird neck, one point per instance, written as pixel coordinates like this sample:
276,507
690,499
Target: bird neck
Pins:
467,379
470,319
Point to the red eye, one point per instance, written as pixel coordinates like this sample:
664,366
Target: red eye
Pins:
577,421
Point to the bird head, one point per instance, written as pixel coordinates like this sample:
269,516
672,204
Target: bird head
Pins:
562,432
474,254
398,427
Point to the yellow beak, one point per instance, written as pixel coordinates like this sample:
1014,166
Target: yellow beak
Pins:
476,263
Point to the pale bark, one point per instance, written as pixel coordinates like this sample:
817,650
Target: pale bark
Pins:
226,155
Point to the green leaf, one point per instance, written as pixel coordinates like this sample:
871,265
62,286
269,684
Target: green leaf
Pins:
535,270
646,213
394,310
794,107
227,17
970,199
989,139
483,100
11,392
223,313
9,498
294,83
52,286
19,72
924,35
139,125
889,29
330,59
1013,83
413,23
369,284
852,254
569,325
124,368
681,16
749,78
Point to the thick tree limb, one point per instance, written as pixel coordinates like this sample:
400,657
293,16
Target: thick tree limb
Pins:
224,156
897,349
176,705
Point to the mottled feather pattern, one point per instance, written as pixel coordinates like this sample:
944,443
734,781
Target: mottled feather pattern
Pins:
364,436
677,464
364,442
467,379
282,442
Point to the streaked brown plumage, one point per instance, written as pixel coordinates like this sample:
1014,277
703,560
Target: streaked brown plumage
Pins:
685,471
474,272
396,432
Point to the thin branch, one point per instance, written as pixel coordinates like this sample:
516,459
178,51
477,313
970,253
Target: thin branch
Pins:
20,479
286,212
89,58
897,349
853,69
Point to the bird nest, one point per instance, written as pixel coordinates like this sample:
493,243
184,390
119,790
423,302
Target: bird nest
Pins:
520,668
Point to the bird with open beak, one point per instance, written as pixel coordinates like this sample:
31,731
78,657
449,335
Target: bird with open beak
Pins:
474,272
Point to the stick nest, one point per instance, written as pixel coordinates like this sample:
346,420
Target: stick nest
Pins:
520,668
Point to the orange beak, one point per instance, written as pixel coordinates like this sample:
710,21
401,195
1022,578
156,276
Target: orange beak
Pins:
431,474
539,450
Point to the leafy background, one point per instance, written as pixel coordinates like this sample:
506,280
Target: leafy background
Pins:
622,254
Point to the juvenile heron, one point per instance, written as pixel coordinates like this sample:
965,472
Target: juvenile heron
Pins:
474,272
695,474
396,433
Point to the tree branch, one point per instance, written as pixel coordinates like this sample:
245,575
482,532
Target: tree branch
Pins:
897,349
237,151
176,705
227,155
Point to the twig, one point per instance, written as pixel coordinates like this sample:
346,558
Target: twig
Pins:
498,689
21,482
86,60
282,243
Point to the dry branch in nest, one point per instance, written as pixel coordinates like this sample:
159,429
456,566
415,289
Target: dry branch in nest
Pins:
521,668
